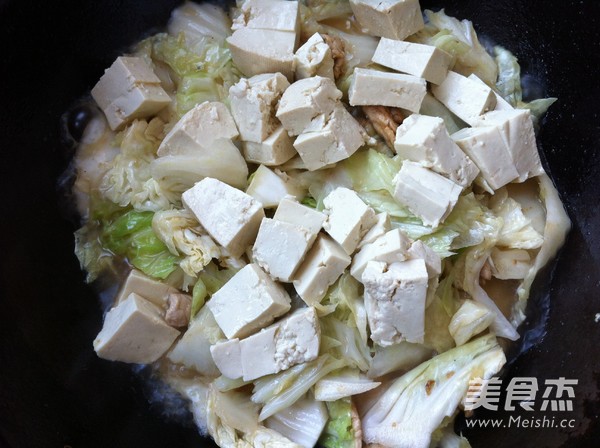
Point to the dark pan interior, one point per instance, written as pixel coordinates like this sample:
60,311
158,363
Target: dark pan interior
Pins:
55,392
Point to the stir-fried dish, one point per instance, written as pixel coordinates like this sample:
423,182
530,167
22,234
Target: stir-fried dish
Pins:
324,217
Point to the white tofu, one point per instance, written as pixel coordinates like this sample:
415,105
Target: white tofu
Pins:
227,356
394,19
466,98
381,226
280,247
197,130
270,187
134,331
488,149
389,248
249,301
395,298
323,265
516,128
268,15
305,100
292,212
427,194
193,349
277,149
292,341
253,57
253,103
258,354
329,139
424,61
348,218
314,58
152,290
501,103
129,89
433,262
230,216
374,87
424,139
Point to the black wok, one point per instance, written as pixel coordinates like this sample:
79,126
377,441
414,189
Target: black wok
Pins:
54,392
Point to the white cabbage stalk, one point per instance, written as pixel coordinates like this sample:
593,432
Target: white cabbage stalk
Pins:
234,409
184,236
510,264
517,231
302,422
269,187
181,172
475,258
351,347
477,60
398,357
198,21
342,384
411,409
193,349
555,232
282,390
227,436
470,320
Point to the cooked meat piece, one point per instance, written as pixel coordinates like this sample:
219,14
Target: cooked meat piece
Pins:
338,51
179,310
383,122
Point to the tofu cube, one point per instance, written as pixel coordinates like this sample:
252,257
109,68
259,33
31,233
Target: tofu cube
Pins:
423,61
292,212
229,215
329,139
323,265
249,301
433,262
516,128
501,103
135,332
292,341
277,149
305,100
258,354
198,129
227,356
427,194
150,289
129,89
395,298
314,58
348,218
381,226
270,187
394,19
488,149
268,15
466,98
389,248
374,87
425,139
253,57
280,247
253,103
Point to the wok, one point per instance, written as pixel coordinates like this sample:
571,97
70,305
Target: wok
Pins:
55,392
